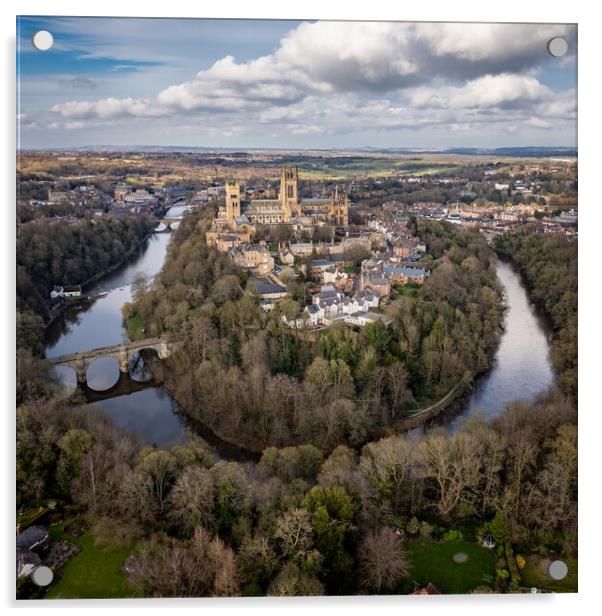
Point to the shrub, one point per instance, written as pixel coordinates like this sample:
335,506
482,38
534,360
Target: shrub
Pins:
499,527
520,561
413,526
512,564
425,530
453,536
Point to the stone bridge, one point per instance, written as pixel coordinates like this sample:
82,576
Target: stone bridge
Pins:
123,353
167,222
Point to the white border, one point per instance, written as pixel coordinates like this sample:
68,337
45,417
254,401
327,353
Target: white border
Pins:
581,12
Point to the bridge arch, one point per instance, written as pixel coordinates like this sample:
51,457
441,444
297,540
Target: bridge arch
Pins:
103,373
138,368
123,353
67,376
167,225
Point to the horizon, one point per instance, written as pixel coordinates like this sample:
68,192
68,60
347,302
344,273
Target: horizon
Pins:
234,148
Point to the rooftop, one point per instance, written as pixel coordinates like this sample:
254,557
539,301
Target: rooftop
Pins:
263,286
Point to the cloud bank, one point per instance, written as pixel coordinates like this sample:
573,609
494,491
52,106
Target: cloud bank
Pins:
343,76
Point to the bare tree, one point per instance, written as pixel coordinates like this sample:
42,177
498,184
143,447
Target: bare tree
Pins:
202,335
222,563
257,560
387,465
398,388
191,498
171,571
292,582
382,560
295,531
453,463
159,467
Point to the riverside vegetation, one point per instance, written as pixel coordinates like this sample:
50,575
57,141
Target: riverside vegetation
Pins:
548,265
49,254
320,516
300,522
246,375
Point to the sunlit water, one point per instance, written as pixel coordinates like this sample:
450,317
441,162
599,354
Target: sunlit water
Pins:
522,368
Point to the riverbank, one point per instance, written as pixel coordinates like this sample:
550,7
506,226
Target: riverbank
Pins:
542,314
173,412
422,416
548,268
97,277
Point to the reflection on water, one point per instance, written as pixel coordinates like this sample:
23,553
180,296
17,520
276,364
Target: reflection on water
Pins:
138,370
522,369
66,375
103,373
147,413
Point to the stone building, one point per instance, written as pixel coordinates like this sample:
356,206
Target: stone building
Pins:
253,257
289,207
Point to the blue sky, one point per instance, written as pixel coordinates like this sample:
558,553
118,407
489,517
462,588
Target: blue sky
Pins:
237,83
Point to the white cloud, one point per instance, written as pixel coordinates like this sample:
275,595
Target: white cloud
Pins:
491,43
486,91
535,122
108,108
347,76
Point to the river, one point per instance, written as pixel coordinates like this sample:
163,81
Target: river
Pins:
521,368
148,413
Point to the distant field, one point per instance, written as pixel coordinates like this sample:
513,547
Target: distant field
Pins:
159,169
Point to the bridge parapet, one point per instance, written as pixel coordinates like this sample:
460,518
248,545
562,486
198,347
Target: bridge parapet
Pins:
81,361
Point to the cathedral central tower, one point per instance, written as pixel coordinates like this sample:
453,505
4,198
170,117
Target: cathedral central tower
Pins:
289,192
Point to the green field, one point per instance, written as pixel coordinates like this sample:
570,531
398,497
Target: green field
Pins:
135,327
432,562
534,574
94,573
407,290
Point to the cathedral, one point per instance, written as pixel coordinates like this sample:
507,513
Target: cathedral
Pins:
288,208
234,223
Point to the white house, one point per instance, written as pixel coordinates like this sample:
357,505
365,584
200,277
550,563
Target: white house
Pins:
365,318
330,304
73,291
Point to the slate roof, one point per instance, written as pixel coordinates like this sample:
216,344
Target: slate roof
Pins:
403,271
315,201
264,202
264,286
31,537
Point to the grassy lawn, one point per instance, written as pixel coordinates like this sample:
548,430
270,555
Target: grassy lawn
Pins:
135,327
93,573
534,574
408,290
432,562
